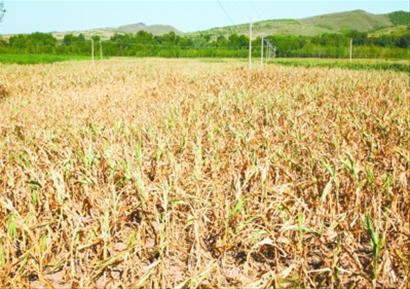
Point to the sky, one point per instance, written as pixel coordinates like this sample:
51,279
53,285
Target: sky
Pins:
187,16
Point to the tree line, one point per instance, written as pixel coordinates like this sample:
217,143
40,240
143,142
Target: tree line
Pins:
143,44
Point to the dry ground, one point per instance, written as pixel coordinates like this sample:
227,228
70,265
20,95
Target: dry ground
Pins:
178,173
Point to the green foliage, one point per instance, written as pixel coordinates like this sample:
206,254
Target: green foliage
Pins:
400,18
33,43
337,45
44,48
376,242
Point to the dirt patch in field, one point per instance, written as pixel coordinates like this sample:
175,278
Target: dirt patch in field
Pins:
4,92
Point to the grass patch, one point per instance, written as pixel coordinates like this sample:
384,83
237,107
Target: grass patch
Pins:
399,66
37,58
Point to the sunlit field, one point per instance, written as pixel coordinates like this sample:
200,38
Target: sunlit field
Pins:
157,173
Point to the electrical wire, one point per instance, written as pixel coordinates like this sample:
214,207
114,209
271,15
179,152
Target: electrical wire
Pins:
226,12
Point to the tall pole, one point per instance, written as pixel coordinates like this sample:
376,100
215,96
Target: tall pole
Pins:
351,49
250,45
263,40
267,53
101,50
92,50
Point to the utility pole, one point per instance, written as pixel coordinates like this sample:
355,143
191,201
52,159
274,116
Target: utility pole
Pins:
351,49
267,52
263,40
92,51
101,50
250,45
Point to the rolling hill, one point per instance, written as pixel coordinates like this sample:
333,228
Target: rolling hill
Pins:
358,20
107,32
395,23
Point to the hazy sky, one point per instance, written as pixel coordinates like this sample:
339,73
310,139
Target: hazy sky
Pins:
58,15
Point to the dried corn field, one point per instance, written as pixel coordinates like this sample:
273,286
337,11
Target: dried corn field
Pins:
186,174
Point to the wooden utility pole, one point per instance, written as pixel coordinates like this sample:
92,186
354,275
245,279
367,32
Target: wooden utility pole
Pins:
351,49
92,50
250,45
262,44
101,50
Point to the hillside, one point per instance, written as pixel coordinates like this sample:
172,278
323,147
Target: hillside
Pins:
395,23
154,29
398,30
107,32
358,20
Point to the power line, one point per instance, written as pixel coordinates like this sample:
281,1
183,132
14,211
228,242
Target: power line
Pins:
2,10
226,12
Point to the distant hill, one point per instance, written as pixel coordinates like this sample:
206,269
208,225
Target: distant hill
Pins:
358,20
154,29
107,32
395,23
